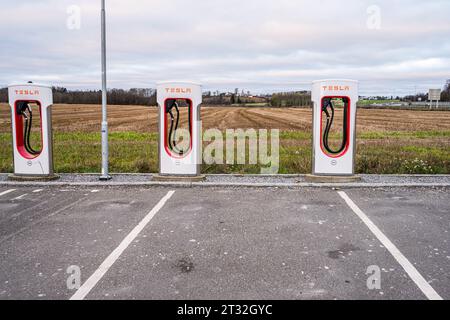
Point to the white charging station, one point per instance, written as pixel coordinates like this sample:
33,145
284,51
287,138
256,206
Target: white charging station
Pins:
330,98
179,128
28,100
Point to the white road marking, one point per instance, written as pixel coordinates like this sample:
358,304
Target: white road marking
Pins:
6,192
37,190
90,283
20,197
94,191
418,279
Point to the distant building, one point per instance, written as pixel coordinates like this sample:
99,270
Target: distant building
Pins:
145,92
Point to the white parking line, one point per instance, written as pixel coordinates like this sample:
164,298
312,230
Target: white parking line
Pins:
20,197
90,283
37,190
6,192
418,279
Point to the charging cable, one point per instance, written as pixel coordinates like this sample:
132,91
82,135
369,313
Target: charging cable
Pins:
174,122
328,105
24,110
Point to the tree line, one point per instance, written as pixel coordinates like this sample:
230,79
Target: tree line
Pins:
143,97
290,99
147,97
445,95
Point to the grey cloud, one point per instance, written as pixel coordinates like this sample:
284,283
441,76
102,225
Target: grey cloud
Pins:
263,45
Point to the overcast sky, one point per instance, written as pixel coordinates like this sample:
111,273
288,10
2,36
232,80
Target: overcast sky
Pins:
393,47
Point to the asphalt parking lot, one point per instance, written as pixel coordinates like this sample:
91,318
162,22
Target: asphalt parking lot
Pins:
224,243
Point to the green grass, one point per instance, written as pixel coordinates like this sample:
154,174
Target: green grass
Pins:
369,102
388,152
404,134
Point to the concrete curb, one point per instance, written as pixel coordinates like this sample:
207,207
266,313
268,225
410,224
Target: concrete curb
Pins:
332,179
185,179
224,184
236,181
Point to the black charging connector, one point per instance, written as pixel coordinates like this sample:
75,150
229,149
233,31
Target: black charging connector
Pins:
327,104
174,122
24,110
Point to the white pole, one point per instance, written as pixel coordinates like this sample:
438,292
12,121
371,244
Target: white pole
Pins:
105,172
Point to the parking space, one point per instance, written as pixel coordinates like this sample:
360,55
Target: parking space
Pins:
220,243
418,222
42,235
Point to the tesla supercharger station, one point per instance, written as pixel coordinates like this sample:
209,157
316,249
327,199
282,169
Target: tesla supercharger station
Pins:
31,107
334,118
179,129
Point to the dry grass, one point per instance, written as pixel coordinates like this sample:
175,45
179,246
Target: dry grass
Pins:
86,118
387,139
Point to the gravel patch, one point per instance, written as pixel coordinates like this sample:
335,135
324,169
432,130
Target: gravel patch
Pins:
241,180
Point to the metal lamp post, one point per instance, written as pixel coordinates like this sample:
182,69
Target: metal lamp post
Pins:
105,150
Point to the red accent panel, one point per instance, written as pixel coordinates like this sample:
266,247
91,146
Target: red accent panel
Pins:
347,128
19,131
166,146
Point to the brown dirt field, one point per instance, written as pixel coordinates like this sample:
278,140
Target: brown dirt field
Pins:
86,118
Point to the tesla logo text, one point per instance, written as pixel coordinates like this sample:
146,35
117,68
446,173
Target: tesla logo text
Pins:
27,92
178,90
336,88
